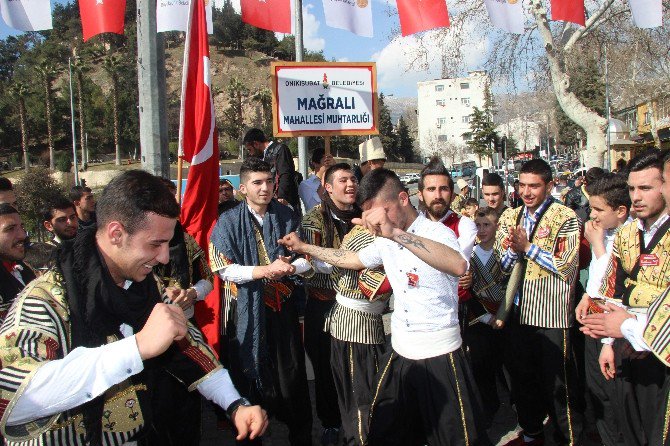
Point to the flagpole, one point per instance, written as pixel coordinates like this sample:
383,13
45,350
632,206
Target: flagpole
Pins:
299,54
180,166
74,135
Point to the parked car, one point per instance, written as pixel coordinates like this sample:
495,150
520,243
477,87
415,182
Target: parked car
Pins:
414,177
405,179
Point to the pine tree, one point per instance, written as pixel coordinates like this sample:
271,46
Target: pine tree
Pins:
405,141
385,127
233,124
483,133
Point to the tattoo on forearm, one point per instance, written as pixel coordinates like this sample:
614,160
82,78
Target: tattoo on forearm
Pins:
328,255
407,239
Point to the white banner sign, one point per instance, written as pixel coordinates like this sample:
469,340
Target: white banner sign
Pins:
506,15
324,98
172,15
647,13
27,15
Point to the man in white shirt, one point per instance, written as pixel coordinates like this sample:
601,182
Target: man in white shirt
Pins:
267,359
425,393
85,342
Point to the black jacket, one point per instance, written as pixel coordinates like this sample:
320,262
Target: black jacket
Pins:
286,184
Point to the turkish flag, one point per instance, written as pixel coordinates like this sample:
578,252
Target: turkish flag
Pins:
197,146
273,15
102,16
568,11
422,15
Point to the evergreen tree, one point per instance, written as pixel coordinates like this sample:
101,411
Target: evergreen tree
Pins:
233,124
405,141
385,126
483,133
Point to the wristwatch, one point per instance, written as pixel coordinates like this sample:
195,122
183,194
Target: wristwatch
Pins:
235,405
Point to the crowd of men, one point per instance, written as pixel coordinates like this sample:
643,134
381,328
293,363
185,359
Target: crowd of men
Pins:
557,302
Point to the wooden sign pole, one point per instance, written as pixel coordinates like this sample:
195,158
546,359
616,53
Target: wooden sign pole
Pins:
327,140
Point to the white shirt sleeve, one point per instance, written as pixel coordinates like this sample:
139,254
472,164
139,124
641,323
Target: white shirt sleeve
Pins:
82,375
237,273
633,329
467,233
219,389
370,256
597,270
301,265
202,289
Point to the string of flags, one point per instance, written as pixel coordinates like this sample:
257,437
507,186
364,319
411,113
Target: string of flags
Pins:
100,16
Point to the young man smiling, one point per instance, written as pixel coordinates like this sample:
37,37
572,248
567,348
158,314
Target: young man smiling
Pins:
541,239
87,342
14,274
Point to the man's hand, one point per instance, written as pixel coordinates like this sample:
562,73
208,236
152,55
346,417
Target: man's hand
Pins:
519,240
593,232
465,281
497,324
278,269
376,222
165,325
181,297
293,243
282,201
606,361
605,325
582,308
250,421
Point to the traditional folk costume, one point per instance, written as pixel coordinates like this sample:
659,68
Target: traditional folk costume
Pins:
637,274
541,367
358,343
484,344
457,203
603,392
188,268
425,393
100,394
267,361
324,225
14,276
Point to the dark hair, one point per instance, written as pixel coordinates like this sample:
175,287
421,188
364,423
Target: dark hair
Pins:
317,155
593,174
469,202
60,203
649,159
328,177
486,212
169,184
7,209
129,197
254,135
493,179
435,167
39,255
78,191
378,181
5,184
253,164
612,187
537,167
621,164
223,181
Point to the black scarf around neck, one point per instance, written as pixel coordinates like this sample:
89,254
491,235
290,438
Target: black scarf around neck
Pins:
328,209
98,307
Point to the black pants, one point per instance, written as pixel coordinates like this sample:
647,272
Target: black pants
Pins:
354,368
641,397
485,348
602,395
428,401
544,379
290,403
317,346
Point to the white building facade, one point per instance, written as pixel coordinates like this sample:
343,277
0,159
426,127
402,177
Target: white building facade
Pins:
444,111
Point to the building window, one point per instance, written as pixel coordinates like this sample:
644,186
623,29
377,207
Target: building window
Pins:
439,88
441,122
466,119
467,136
647,118
465,85
441,138
465,101
440,102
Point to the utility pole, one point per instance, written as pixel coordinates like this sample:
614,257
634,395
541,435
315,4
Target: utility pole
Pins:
74,134
609,116
151,86
299,54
